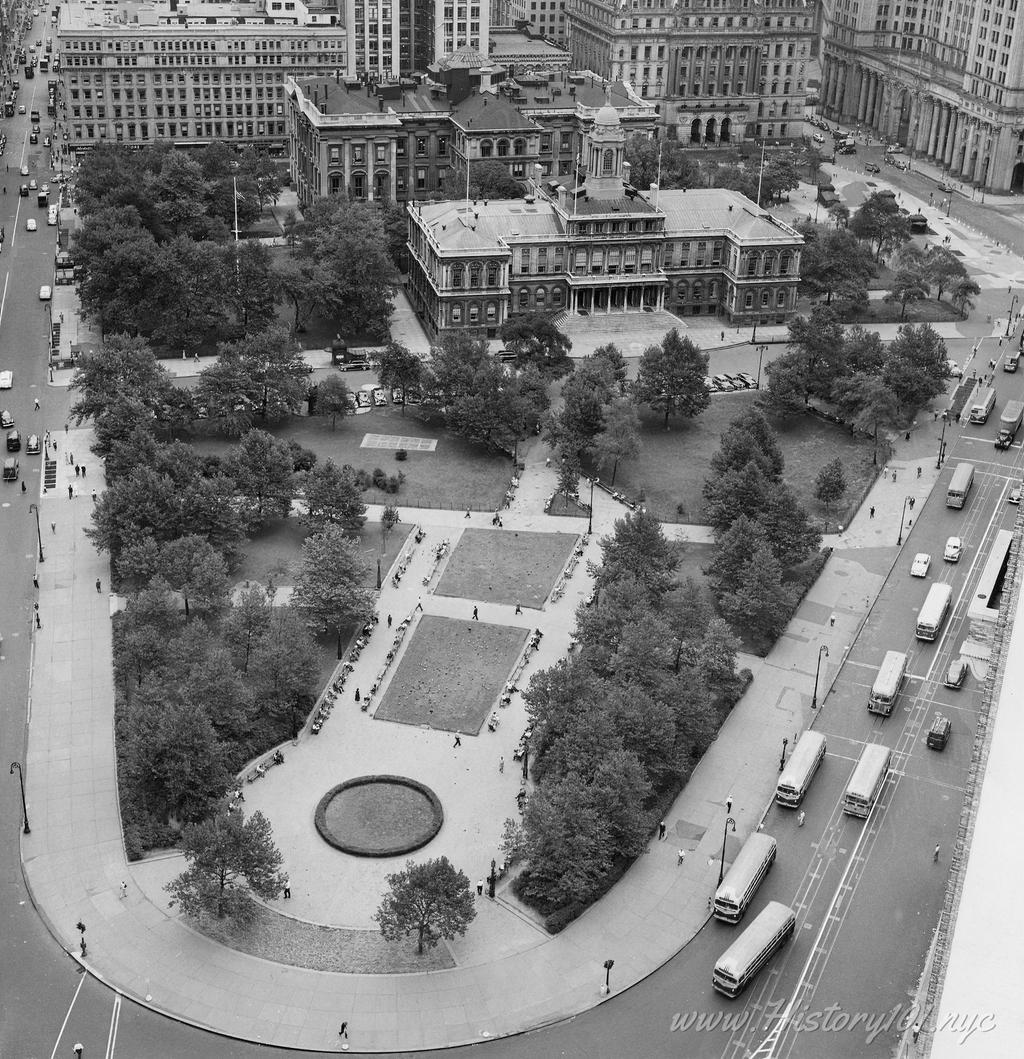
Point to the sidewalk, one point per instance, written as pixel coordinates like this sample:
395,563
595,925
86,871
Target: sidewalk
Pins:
508,976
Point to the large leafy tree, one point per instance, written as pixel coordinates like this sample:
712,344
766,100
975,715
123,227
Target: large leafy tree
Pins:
584,396
261,467
229,859
247,623
944,269
761,602
963,291
430,901
488,179
637,548
195,290
121,368
332,398
397,365
911,279
142,633
749,437
330,587
536,340
191,566
818,340
879,222
664,161
284,667
671,377
832,259
333,497
619,437
254,287
917,367
830,484
785,395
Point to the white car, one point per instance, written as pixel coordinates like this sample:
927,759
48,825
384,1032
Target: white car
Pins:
45,293
919,567
954,369
30,225
24,168
6,380
748,379
818,138
954,549
1014,497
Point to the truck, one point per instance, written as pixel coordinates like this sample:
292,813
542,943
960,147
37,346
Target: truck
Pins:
1009,423
982,407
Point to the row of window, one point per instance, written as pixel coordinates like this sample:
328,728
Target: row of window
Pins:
182,110
193,44
240,130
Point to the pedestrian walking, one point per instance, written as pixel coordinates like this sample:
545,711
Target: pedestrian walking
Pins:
935,855
458,742
36,403
24,487
519,608
79,1048
343,1032
831,620
662,829
919,472
35,580
800,818
39,624
476,616
358,696
83,470
53,527
71,492
680,857
480,888
287,888
124,890
419,603
85,951
894,474
711,901
99,585
871,513
906,437
389,621
723,336
65,428
94,496
467,514
501,765
78,470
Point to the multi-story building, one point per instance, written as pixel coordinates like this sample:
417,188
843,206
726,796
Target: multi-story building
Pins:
727,70
399,140
518,50
396,38
946,79
597,246
189,73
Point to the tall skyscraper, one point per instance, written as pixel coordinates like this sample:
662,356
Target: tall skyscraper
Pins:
945,78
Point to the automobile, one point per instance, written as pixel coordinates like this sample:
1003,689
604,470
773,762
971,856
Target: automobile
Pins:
6,419
13,441
30,225
44,188
954,549
351,402
363,399
24,170
894,148
21,110
737,380
872,167
901,164
6,380
848,149
413,396
33,137
919,567
506,355
723,382
32,445
947,188
397,395
818,138
748,379
938,734
956,673
45,293
709,383
32,185
36,129
1014,497
954,368
23,191
380,398
46,141
10,469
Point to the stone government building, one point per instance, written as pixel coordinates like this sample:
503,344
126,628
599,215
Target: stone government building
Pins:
597,246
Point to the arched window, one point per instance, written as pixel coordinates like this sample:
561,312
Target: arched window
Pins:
524,297
785,260
764,299
475,271
780,298
458,276
540,297
608,163
492,312
359,185
556,297
713,291
769,264
698,292
474,312
492,274
752,264
486,148
519,147
503,148
682,291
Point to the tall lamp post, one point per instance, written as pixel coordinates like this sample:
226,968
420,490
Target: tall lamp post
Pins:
590,513
608,965
761,350
823,650
39,536
24,806
782,760
729,823
1009,316
903,519
942,441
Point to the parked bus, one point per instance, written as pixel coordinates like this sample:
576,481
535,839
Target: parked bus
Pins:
933,613
982,407
744,877
886,688
960,485
866,782
753,948
800,769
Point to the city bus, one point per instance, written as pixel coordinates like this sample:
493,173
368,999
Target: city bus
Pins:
933,613
960,485
866,782
753,948
744,877
886,688
800,769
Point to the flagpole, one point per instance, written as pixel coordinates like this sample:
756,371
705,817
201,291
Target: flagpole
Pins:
760,176
657,194
576,183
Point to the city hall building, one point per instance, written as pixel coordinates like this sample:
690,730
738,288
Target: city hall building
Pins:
596,245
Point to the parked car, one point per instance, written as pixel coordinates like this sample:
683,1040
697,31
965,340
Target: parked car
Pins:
45,293
872,167
32,445
723,382
32,185
956,673
30,225
1014,497
397,395
11,469
818,138
6,420
938,734
13,441
946,188
954,368
954,549
919,567
709,383
747,378
6,380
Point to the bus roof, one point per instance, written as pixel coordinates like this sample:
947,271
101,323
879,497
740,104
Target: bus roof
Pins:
755,850
807,749
873,757
754,938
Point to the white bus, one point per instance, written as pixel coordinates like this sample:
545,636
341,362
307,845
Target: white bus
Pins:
982,407
753,948
744,877
886,688
932,614
800,769
867,780
960,485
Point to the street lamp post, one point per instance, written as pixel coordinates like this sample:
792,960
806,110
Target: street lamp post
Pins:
590,513
608,965
949,203
782,760
903,519
753,334
761,350
1009,316
729,822
823,650
39,536
24,806
942,441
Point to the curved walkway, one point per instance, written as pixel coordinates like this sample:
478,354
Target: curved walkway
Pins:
74,859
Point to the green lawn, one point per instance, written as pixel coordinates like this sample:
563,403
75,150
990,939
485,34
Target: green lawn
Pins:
457,474
670,471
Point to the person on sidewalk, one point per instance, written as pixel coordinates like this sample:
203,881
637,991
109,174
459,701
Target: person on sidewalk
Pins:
935,855
681,856
124,890
501,765
99,585
287,888
871,513
458,742
662,829
343,1032
480,888
476,615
